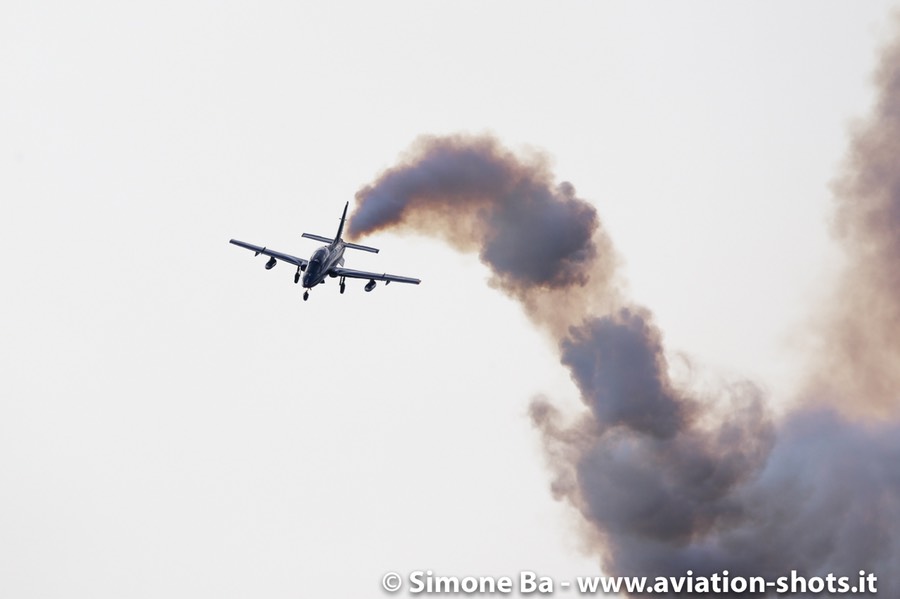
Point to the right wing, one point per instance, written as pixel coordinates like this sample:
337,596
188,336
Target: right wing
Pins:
267,252
375,276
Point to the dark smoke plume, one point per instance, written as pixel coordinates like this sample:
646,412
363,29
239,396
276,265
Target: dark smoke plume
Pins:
666,481
545,246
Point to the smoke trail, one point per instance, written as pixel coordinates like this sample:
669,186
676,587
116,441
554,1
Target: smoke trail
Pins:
545,246
860,348
667,481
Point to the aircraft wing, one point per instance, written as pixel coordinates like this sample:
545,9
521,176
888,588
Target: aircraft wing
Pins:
361,274
267,252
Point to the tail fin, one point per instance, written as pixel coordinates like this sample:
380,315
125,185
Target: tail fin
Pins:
341,226
337,238
353,246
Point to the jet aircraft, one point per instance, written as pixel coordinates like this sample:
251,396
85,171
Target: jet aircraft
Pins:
327,261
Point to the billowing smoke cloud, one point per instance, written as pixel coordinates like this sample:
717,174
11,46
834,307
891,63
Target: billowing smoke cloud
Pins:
668,481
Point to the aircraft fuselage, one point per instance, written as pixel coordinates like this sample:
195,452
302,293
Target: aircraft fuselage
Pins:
321,263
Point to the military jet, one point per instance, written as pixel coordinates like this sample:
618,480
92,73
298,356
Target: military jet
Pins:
327,261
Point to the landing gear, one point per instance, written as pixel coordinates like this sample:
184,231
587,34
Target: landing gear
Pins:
297,276
343,285
306,295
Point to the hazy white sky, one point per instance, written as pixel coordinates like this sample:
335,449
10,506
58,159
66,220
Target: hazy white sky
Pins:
176,422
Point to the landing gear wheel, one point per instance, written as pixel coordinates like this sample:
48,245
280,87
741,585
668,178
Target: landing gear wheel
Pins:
305,296
343,285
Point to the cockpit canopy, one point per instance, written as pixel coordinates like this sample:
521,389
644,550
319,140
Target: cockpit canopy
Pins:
319,255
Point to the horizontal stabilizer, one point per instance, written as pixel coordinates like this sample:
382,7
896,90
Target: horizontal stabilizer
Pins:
317,237
352,246
365,248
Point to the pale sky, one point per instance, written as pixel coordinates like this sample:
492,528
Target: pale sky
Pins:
176,422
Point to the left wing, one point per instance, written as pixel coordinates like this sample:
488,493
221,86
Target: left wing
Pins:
267,252
361,274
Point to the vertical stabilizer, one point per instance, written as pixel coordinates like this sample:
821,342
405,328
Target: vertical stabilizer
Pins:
337,238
